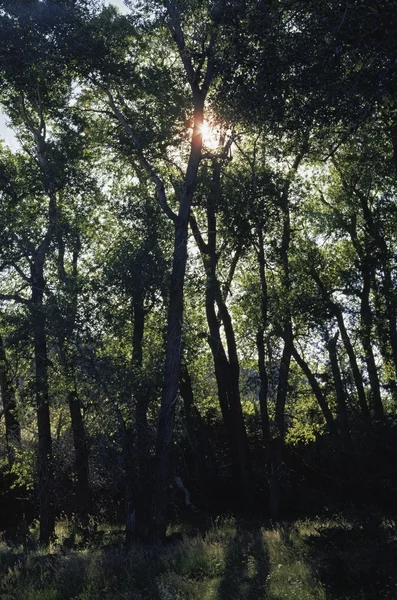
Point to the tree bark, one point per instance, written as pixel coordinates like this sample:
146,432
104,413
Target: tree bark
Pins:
340,393
357,376
366,334
260,344
287,336
322,402
45,457
84,503
12,425
83,491
197,431
367,265
227,368
381,253
172,368
137,447
165,429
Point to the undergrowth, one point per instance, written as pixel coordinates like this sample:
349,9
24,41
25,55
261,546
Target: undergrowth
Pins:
334,559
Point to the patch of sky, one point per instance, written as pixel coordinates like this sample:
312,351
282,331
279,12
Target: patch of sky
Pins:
7,134
119,5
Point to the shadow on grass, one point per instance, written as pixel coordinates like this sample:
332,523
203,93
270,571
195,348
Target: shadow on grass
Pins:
355,559
246,566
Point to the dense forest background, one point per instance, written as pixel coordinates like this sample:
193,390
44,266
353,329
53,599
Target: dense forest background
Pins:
198,306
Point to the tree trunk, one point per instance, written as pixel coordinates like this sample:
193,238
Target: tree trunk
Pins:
197,432
385,264
137,448
12,426
243,463
165,429
322,402
282,387
131,487
227,369
83,491
84,505
358,380
340,393
260,344
45,458
381,328
366,334
367,267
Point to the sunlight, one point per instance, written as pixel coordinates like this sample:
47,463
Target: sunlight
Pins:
211,135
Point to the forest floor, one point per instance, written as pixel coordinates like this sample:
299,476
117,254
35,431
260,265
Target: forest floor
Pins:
333,558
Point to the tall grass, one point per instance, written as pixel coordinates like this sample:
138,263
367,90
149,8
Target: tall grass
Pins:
230,560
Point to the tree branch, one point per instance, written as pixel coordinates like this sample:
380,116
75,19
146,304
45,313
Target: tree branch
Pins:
161,195
203,247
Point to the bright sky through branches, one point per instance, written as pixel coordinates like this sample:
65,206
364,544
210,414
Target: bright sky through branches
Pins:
211,135
119,4
6,134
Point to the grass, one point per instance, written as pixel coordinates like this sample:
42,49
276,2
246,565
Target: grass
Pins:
333,559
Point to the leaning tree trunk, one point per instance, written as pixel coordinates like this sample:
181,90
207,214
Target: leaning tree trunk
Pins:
381,329
233,390
277,443
357,376
322,402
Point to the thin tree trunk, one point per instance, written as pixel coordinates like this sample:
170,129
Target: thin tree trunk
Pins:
364,253
357,376
165,429
83,491
137,448
131,487
340,393
12,425
366,334
388,286
282,387
84,503
260,344
322,402
382,253
236,412
197,431
45,457
227,369
381,328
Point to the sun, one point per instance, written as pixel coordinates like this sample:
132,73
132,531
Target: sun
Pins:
211,135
